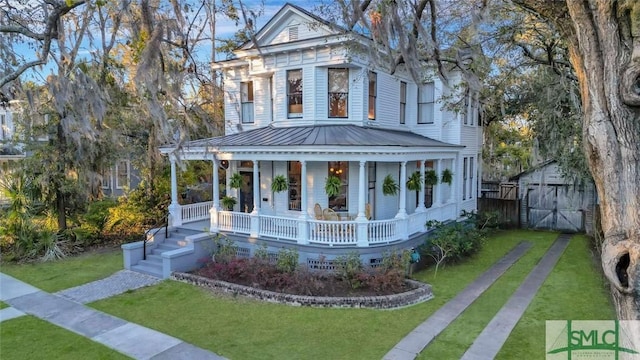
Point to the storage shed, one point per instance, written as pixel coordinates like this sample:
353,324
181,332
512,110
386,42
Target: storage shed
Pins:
548,201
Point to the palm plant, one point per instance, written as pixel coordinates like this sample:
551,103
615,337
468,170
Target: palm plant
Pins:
430,178
389,185
235,181
447,176
332,185
415,182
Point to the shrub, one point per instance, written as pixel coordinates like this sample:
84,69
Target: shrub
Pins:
348,269
224,249
452,242
287,260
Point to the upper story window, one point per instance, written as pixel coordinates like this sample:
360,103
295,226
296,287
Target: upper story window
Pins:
294,93
246,94
465,163
373,90
425,103
403,101
339,93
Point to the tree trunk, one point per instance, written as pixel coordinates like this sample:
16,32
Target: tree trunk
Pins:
605,54
60,176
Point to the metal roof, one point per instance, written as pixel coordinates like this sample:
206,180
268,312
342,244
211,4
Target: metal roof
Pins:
319,135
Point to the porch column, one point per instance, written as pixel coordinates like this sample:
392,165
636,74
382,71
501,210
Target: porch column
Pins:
437,187
402,210
175,211
362,222
215,196
255,214
361,191
303,224
421,207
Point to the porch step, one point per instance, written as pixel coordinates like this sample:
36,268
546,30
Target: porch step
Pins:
149,267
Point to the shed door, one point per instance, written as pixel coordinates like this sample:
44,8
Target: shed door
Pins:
547,209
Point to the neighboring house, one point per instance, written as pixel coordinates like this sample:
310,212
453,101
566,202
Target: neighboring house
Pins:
10,150
301,106
119,178
549,201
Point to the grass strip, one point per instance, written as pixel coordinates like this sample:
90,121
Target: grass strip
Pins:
69,272
575,290
28,337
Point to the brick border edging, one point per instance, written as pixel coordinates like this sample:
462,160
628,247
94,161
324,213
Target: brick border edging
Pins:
421,293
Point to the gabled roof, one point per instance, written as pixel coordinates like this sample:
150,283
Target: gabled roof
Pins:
283,13
320,135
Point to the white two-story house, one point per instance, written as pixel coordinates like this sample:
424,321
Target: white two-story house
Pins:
300,105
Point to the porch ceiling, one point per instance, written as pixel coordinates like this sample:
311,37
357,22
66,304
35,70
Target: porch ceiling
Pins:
317,136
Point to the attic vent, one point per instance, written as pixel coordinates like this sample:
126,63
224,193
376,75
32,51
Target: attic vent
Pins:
293,33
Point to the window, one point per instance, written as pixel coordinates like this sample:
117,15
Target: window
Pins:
294,174
338,93
106,178
3,132
428,189
465,110
246,94
464,178
403,101
294,93
471,177
122,174
373,89
425,103
341,170
473,109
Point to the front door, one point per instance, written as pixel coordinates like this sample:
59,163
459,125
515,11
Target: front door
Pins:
246,192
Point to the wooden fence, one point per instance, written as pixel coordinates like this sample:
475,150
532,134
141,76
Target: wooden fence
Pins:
508,210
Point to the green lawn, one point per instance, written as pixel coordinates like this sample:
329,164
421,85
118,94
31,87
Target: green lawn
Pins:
66,273
238,328
3,305
574,290
244,329
28,337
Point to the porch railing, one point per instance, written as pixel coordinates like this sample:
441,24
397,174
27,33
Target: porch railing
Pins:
234,221
381,231
333,233
278,227
417,222
197,211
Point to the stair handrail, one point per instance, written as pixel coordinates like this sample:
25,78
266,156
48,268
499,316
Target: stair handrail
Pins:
165,222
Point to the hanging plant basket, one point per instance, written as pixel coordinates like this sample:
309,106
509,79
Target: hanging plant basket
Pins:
332,185
415,182
279,184
236,181
430,178
389,186
228,202
447,176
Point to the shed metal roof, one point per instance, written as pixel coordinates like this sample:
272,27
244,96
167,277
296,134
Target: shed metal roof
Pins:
320,135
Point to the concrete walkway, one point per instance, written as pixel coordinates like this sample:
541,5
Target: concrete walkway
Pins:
490,341
411,345
128,338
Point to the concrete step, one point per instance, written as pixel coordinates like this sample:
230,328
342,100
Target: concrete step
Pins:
148,269
154,258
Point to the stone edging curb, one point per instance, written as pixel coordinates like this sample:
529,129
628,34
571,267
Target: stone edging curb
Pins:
421,293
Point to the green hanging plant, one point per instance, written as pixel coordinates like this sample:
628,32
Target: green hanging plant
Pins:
228,202
389,186
236,181
332,185
447,176
415,182
430,178
279,184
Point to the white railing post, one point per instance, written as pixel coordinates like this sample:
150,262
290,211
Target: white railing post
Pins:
362,233
303,220
215,196
255,213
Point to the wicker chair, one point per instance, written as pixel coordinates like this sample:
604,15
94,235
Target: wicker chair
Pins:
317,210
367,211
330,215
